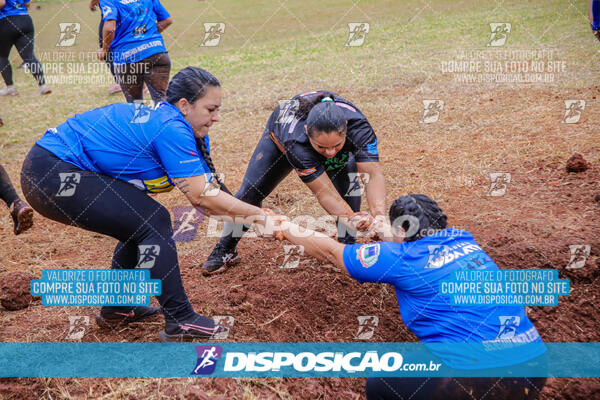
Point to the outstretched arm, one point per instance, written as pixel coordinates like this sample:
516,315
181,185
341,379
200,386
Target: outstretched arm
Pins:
315,244
200,192
374,187
334,204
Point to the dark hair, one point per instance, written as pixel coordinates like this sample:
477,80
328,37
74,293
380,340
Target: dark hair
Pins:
418,215
190,83
321,113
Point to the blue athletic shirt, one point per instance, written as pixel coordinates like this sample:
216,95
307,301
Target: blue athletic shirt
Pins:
14,7
596,15
140,145
430,316
136,34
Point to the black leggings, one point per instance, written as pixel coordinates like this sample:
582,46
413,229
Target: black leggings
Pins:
153,70
454,388
62,192
108,60
267,168
7,191
17,30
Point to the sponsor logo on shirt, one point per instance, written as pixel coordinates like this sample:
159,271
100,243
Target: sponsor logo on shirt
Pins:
307,172
440,254
368,254
106,10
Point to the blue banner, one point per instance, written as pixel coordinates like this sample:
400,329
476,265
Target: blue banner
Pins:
275,360
95,287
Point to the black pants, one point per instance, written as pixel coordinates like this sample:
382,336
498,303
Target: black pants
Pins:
108,60
7,191
17,30
454,388
267,168
62,192
153,70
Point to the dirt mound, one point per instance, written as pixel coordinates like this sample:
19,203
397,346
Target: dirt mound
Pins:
20,389
576,163
14,290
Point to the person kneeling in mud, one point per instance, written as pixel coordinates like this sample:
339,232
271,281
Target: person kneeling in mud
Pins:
408,263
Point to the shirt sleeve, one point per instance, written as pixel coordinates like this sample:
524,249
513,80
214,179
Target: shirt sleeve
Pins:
372,262
304,162
363,138
109,10
176,148
160,11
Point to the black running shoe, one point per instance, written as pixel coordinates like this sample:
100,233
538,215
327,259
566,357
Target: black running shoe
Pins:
219,260
196,327
111,316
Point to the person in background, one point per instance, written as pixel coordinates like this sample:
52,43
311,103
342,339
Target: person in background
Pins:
16,29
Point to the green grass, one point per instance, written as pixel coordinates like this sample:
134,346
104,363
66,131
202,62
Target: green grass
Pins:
271,50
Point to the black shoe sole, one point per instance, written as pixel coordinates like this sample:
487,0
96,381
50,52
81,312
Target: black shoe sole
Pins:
234,261
184,337
24,221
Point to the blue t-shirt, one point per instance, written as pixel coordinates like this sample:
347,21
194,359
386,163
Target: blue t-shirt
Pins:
143,146
429,315
14,7
136,35
596,15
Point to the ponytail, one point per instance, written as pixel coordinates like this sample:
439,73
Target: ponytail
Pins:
321,114
201,145
191,83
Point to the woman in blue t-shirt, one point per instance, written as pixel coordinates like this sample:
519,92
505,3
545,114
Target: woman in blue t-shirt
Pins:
16,29
421,253
94,171
132,41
